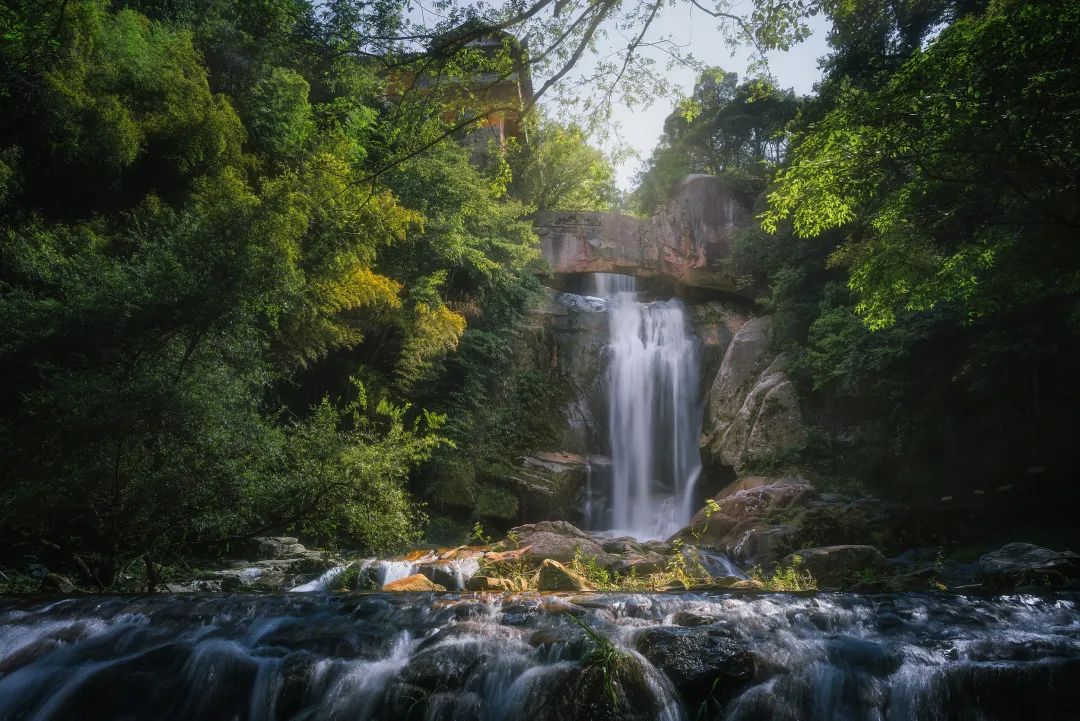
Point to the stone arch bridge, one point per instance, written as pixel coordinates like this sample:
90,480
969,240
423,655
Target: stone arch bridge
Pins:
688,243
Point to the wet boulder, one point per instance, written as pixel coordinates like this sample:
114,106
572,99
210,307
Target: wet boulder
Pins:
592,692
1024,564
554,576
835,566
691,617
452,574
704,664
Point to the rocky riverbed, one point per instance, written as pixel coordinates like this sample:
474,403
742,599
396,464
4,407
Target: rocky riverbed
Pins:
557,657
557,556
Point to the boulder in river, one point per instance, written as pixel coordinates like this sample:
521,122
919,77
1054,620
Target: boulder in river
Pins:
492,583
1024,564
704,664
593,693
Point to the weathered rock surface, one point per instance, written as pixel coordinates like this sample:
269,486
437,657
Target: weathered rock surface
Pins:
548,484
752,412
689,241
553,576
281,563
557,540
492,583
836,566
564,338
1024,564
415,582
715,325
745,526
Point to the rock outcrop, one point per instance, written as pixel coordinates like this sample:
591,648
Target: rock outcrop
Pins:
688,242
561,541
747,524
549,484
557,540
278,564
836,566
1024,564
752,411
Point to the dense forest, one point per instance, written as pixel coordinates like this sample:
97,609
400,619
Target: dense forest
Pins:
249,285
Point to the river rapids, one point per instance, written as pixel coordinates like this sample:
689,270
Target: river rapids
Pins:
499,658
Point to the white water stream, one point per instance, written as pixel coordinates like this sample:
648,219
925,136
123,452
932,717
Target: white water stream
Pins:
653,417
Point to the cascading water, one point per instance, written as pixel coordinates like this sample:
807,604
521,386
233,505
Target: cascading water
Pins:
377,657
653,418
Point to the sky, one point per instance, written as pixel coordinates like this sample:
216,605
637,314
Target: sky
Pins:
640,128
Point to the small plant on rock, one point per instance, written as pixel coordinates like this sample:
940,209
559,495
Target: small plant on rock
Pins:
520,572
605,658
587,567
478,537
786,578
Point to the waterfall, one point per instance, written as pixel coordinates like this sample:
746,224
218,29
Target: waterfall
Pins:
653,417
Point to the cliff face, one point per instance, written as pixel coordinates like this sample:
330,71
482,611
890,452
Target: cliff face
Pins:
687,243
751,410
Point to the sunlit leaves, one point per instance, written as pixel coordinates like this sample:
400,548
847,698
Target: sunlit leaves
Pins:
953,178
557,169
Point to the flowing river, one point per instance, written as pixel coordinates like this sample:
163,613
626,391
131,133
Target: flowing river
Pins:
499,658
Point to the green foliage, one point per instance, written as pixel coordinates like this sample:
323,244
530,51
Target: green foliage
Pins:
786,578
280,120
478,536
348,486
980,123
200,248
556,169
588,568
519,572
722,128
492,502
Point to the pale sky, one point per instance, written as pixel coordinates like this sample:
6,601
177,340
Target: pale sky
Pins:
640,128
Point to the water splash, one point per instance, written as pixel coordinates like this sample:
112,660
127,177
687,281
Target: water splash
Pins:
295,657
